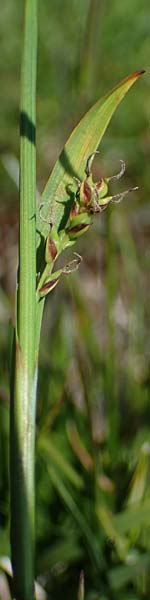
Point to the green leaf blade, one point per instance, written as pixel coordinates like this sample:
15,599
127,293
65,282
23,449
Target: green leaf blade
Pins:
84,140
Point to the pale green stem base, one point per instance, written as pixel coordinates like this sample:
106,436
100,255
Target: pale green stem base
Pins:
23,369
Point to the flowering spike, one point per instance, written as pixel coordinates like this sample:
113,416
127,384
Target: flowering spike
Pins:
90,198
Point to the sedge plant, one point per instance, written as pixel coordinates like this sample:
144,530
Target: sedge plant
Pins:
69,202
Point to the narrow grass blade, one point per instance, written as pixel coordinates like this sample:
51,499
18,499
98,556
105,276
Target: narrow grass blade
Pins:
48,447
23,367
108,525
93,545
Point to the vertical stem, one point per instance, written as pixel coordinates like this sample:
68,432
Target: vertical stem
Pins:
23,381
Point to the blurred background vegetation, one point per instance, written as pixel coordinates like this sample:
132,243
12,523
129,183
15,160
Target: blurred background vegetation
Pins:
93,414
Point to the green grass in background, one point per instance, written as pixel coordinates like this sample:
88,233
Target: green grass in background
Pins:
93,495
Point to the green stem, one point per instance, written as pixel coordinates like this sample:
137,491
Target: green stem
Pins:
23,383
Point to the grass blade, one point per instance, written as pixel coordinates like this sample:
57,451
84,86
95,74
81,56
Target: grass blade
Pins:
23,383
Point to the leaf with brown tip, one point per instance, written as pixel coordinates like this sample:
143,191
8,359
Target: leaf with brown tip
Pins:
84,140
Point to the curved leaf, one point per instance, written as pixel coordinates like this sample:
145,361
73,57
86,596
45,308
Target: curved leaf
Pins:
84,140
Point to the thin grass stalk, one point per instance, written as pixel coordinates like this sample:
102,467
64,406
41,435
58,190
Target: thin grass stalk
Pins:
23,379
